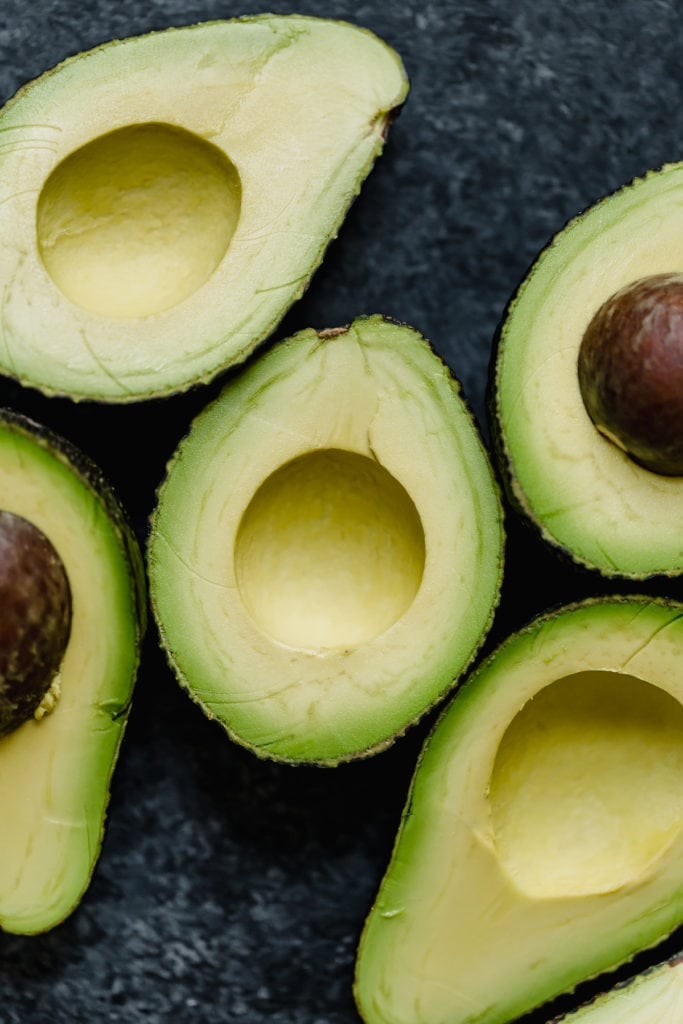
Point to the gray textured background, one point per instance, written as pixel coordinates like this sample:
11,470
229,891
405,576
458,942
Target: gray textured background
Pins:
234,890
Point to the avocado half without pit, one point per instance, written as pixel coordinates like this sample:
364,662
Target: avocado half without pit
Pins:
164,199
326,552
542,840
587,397
72,598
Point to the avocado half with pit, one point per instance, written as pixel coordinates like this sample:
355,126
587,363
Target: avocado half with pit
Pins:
164,199
58,752
653,997
542,841
326,552
583,491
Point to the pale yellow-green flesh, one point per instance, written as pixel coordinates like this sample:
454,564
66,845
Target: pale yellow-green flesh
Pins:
499,893
582,490
587,787
326,552
137,220
654,997
54,773
236,149
330,551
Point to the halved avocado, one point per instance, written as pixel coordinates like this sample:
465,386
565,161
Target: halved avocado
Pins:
165,199
326,551
583,492
55,768
653,997
542,842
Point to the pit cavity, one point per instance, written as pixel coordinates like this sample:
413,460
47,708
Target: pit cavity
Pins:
137,220
587,787
330,551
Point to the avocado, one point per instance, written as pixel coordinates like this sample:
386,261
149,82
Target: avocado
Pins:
651,997
326,550
55,767
571,478
164,199
542,841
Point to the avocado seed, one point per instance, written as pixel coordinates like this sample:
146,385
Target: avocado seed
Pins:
631,371
35,619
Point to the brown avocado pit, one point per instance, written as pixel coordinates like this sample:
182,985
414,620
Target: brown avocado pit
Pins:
35,598
630,368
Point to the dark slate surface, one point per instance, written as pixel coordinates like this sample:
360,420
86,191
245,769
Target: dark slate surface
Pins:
231,889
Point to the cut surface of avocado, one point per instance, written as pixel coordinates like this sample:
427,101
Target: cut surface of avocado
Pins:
166,198
583,492
326,552
55,768
542,841
653,997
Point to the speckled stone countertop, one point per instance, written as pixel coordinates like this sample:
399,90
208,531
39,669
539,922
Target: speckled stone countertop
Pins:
231,889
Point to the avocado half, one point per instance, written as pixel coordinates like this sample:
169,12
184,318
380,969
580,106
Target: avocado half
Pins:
542,841
585,494
653,997
326,551
55,769
164,199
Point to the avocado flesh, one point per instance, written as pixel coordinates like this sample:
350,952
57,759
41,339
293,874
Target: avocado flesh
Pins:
166,198
542,841
581,490
654,996
55,771
326,551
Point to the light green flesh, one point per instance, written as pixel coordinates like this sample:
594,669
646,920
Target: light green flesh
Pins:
156,233
654,997
544,839
582,490
54,773
326,552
